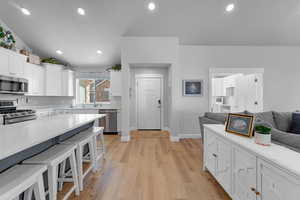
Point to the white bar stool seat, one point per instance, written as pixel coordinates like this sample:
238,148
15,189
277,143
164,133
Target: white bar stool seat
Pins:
100,148
52,158
81,140
21,178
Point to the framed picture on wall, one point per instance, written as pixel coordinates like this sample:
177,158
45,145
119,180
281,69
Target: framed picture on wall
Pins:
192,88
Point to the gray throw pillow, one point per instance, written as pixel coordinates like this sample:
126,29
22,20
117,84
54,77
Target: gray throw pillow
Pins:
265,117
221,117
283,120
295,127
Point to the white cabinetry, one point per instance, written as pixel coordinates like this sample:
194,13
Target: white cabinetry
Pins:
115,83
68,83
218,87
11,63
53,80
218,160
243,174
36,79
248,171
4,62
275,184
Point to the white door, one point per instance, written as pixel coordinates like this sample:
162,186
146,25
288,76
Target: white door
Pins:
149,102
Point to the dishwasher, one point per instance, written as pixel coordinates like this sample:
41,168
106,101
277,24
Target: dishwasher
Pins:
110,121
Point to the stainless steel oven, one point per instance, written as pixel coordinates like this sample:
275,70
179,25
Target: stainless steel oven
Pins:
12,85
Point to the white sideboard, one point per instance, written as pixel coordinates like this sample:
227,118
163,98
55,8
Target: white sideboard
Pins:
248,171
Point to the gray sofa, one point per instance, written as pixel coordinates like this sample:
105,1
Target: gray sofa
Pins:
280,121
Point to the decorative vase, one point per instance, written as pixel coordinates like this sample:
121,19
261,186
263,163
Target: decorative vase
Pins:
263,139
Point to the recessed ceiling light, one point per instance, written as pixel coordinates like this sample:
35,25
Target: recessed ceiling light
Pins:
99,52
25,11
151,6
81,11
59,52
230,7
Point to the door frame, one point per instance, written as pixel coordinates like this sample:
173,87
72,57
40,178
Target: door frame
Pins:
229,71
143,76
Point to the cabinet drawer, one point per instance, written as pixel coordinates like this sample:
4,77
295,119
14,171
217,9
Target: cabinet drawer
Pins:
275,184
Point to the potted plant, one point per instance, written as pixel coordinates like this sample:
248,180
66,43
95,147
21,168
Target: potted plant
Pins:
7,39
263,134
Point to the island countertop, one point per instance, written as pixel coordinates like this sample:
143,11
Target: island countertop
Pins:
18,137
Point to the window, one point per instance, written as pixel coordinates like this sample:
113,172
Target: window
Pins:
90,91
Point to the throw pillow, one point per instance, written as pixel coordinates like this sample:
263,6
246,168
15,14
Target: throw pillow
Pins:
283,120
295,127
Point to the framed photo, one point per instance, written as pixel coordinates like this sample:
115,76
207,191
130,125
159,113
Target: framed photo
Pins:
240,124
192,88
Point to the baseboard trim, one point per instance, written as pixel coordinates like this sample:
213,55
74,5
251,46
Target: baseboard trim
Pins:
133,128
166,129
186,136
174,138
125,138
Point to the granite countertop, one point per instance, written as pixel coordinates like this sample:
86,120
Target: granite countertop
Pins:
18,137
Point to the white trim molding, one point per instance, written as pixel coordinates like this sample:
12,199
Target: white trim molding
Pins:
186,136
174,138
125,138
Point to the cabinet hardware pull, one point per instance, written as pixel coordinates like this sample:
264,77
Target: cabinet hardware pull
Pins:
253,189
215,155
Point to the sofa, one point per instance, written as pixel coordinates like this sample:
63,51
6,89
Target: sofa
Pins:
280,122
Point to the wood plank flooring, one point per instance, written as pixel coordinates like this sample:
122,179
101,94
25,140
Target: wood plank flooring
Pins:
150,167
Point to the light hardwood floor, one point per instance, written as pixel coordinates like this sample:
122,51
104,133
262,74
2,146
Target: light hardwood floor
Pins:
150,167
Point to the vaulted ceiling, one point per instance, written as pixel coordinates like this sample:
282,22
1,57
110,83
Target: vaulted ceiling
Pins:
55,24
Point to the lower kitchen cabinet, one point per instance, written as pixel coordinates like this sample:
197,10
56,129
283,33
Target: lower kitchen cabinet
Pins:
243,174
248,171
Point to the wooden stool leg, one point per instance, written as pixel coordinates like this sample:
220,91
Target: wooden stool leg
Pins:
103,145
74,172
92,154
52,180
62,172
39,189
28,194
95,167
79,156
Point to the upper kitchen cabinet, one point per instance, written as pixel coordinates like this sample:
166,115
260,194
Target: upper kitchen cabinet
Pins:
115,83
36,78
12,63
218,88
68,83
53,80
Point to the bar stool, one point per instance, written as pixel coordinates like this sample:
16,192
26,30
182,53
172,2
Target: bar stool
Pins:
21,178
100,149
52,158
81,140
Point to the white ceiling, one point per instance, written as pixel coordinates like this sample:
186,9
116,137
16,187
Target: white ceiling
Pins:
55,24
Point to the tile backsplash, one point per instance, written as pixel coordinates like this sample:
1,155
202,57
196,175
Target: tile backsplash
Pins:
37,100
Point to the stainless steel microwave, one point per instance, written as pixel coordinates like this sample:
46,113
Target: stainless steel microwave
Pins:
12,85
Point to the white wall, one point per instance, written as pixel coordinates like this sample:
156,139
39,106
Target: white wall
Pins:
145,50
281,76
166,92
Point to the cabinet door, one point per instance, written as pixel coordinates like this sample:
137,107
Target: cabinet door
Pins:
53,80
115,83
68,83
244,175
29,74
4,62
210,141
275,184
16,65
223,170
40,75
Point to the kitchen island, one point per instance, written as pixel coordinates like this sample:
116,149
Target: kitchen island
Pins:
23,140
